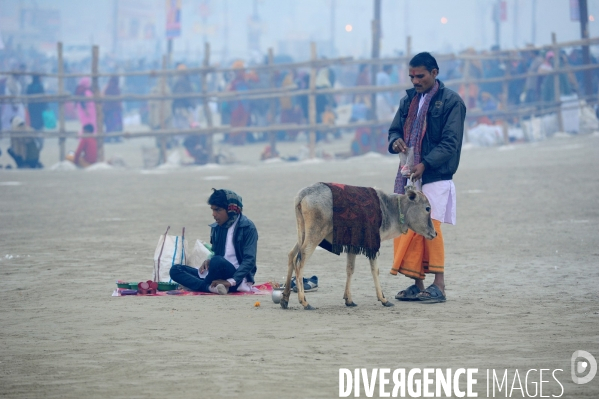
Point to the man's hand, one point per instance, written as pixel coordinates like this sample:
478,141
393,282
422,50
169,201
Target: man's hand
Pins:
399,146
417,171
205,266
223,282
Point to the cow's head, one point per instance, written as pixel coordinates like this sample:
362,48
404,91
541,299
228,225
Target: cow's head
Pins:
417,214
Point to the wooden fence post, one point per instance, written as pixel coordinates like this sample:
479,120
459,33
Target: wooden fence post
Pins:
312,102
505,86
206,107
162,139
466,77
97,104
556,88
61,128
272,105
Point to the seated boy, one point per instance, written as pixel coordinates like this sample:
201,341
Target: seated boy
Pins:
234,240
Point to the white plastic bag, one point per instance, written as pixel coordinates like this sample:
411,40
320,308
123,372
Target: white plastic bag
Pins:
406,162
198,255
170,251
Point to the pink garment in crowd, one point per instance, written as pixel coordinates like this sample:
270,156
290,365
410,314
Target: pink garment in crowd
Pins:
86,111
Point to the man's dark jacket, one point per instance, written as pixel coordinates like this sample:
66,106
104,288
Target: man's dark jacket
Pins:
245,242
442,142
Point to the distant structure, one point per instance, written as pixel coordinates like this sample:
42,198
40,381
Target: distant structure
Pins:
254,31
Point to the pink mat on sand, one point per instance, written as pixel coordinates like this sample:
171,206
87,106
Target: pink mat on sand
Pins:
258,289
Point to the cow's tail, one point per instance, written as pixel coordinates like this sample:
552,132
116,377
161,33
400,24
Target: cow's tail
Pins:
301,231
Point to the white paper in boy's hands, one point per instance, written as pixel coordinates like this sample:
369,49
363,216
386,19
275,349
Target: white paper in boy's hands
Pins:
198,255
203,274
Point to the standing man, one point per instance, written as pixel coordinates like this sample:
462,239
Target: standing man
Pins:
430,120
234,240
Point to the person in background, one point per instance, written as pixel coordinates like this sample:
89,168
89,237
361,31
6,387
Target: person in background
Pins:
196,146
160,112
470,69
363,79
240,109
516,66
36,109
532,86
487,102
25,151
36,119
86,110
290,110
323,100
113,110
87,150
493,68
234,240
548,85
10,110
183,107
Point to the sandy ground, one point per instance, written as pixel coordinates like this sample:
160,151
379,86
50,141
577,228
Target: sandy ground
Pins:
522,274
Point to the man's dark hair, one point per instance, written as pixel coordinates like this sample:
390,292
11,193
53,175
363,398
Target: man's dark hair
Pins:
426,60
89,128
218,198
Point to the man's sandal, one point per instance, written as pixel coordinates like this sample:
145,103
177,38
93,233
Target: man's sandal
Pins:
431,295
409,294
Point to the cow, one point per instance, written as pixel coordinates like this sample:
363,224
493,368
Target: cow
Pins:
314,216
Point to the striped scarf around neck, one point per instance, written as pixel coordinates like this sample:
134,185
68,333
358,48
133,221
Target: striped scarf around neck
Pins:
413,132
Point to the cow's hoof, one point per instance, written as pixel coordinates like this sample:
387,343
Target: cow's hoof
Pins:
309,307
351,304
284,304
388,304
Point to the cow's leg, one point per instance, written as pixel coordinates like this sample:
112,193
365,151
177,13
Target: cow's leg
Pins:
351,263
292,260
307,251
374,268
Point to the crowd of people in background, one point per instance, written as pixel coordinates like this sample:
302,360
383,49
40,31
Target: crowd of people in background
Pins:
19,75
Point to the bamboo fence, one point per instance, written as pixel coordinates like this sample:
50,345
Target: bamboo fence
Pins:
506,113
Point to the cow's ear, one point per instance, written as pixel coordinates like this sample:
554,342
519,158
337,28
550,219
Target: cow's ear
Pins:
411,195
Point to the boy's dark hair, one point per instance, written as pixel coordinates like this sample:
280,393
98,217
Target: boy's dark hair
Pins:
218,198
426,60
89,128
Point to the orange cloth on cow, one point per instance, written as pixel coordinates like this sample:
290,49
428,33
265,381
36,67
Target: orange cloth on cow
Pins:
414,255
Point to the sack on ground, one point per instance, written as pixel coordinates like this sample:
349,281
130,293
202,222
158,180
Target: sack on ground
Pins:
169,251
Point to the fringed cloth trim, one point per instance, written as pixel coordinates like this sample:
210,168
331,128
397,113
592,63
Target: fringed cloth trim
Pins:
352,249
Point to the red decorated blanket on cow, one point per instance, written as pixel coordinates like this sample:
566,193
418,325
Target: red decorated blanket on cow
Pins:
356,220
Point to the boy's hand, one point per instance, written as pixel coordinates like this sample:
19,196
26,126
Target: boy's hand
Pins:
205,266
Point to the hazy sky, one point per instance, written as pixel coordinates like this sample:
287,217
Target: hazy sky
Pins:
291,24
